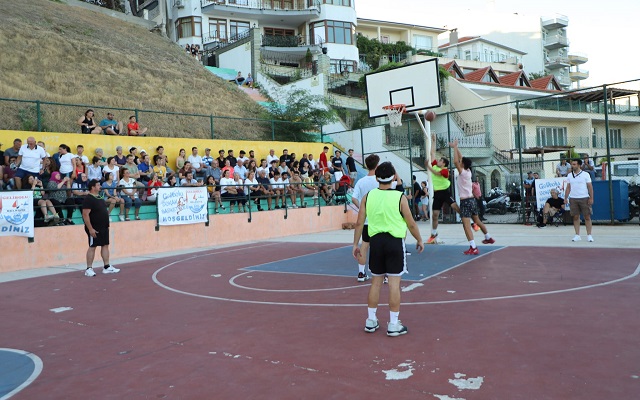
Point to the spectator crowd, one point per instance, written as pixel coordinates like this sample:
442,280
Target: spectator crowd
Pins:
130,177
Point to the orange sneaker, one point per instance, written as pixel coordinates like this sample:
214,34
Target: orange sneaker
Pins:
432,239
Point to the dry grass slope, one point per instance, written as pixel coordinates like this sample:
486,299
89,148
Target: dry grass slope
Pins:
58,53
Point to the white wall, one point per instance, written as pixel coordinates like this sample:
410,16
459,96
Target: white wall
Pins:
238,59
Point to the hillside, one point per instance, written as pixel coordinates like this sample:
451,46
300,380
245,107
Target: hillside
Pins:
58,53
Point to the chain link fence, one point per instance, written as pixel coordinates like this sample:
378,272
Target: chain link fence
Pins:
506,140
41,116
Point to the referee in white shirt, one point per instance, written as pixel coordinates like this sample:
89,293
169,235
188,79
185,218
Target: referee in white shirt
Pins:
580,189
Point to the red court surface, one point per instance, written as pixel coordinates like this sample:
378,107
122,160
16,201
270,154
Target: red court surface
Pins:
515,323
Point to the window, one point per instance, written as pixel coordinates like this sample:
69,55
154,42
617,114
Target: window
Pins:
237,28
332,32
467,54
594,138
522,140
338,66
279,37
217,28
189,27
346,3
422,42
551,136
615,138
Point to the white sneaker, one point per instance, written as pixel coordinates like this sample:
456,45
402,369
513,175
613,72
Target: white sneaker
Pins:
371,325
396,329
89,272
589,238
110,270
576,238
121,217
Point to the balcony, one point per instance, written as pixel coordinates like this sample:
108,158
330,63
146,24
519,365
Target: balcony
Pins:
297,44
557,62
578,75
578,58
556,22
556,42
296,12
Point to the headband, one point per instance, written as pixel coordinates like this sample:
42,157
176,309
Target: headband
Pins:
385,180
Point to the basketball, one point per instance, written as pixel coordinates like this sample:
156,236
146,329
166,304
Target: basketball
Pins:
430,116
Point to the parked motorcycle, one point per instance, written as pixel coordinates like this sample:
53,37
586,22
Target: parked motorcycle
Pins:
497,202
515,199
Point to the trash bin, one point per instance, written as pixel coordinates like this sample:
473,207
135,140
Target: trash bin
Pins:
602,205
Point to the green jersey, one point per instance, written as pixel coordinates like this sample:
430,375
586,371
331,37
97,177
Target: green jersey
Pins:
383,213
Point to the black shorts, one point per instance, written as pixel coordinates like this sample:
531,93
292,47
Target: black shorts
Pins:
441,197
387,255
101,239
365,234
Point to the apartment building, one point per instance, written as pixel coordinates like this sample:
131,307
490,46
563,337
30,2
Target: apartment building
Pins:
285,27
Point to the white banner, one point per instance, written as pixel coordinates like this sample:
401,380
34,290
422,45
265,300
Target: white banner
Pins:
16,214
543,190
182,205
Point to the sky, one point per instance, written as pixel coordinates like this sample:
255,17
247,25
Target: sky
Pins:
605,31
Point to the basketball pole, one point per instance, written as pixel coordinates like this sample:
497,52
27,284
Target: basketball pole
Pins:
426,129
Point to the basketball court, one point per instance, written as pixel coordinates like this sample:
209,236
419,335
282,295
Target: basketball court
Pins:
284,319
534,316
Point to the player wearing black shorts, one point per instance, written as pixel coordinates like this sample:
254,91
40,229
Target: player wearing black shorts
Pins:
389,215
364,186
96,224
441,189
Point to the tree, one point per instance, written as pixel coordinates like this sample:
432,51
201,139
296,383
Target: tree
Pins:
300,114
536,75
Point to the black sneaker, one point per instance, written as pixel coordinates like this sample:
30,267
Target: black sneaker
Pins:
277,207
362,277
542,225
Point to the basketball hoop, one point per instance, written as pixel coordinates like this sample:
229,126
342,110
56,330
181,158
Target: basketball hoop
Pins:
394,112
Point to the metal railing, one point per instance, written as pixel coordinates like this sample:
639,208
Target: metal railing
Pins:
215,42
291,41
44,116
277,5
68,210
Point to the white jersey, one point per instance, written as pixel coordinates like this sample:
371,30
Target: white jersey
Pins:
364,186
578,184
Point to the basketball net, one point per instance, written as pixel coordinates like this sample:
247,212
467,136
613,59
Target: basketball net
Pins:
394,112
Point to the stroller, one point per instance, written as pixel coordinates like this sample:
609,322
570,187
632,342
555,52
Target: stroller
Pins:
340,195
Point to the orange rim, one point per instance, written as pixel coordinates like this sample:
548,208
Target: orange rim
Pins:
398,107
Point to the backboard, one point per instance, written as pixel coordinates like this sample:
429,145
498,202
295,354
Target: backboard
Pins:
417,86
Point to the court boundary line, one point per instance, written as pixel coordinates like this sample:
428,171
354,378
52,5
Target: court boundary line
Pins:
292,258
232,283
37,370
154,277
233,278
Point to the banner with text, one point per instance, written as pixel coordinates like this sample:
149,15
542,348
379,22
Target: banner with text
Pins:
543,190
16,214
182,205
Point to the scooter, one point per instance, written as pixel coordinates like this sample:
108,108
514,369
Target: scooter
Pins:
497,202
515,199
